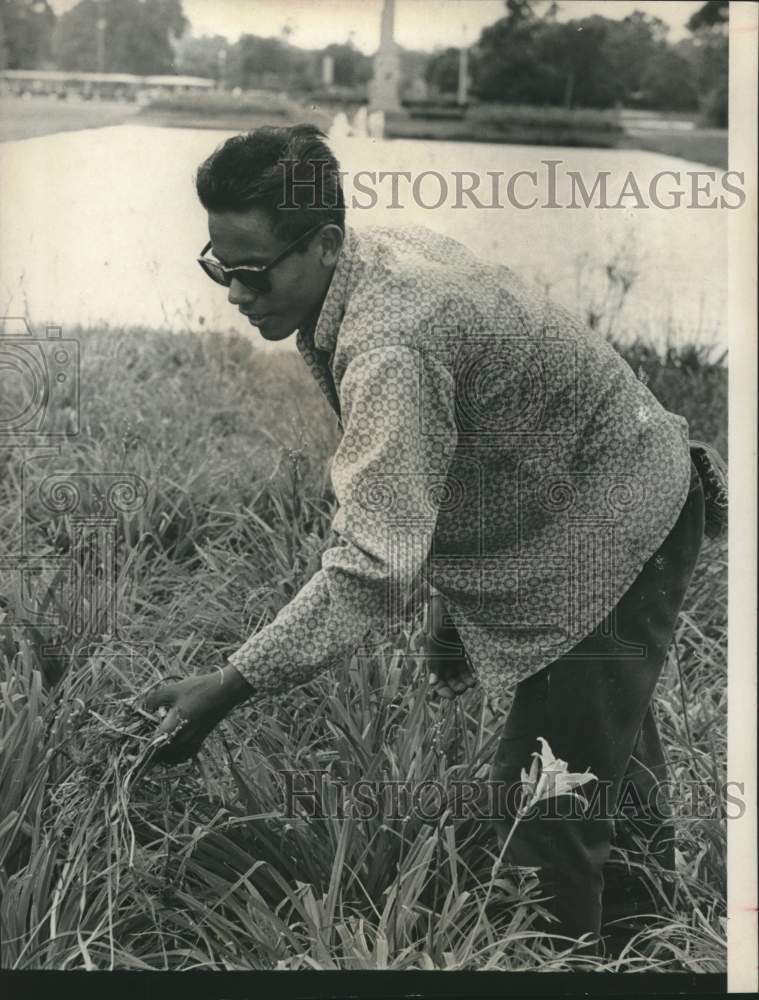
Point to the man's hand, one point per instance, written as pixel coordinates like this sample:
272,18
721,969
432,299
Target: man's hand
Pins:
195,705
451,678
450,675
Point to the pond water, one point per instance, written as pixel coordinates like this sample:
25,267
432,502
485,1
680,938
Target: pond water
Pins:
102,227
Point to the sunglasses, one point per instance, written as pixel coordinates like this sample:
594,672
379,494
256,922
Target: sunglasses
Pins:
253,277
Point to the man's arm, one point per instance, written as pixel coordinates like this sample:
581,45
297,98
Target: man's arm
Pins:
398,441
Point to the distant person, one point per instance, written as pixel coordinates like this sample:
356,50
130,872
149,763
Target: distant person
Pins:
340,127
498,451
375,125
360,123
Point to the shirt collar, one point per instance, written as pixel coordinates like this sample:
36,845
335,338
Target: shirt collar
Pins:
324,334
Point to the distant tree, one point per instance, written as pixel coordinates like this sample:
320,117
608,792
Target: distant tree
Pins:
76,37
578,64
414,64
26,30
3,42
714,14
305,69
587,62
137,35
519,10
669,81
526,58
254,62
507,66
442,71
255,58
709,50
200,56
351,67
630,45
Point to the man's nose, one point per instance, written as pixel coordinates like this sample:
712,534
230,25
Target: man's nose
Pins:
240,295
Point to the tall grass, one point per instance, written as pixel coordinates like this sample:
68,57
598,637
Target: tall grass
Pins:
106,863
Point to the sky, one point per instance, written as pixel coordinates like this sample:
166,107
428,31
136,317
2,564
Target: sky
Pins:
419,24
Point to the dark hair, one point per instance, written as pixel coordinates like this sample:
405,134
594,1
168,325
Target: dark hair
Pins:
291,173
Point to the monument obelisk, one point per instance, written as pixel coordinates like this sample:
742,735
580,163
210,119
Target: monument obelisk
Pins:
385,83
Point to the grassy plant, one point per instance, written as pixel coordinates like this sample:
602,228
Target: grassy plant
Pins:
508,114
107,863
684,370
521,124
687,379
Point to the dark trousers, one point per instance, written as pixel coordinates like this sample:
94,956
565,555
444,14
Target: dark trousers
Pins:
593,706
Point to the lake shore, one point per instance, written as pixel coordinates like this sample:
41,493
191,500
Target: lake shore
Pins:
23,118
483,123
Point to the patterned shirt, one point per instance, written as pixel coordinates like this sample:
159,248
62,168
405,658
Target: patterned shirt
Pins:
494,450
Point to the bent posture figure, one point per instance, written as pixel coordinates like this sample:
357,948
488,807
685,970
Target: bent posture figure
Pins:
493,448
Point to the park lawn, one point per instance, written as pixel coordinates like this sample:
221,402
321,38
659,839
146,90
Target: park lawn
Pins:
25,118
699,145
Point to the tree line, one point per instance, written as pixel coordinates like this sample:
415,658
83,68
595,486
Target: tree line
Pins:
119,36
528,56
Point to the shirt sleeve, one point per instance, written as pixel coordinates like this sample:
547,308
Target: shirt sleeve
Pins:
389,474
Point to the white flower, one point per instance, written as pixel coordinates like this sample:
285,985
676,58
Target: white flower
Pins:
549,776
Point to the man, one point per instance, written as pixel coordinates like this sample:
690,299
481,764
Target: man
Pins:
494,449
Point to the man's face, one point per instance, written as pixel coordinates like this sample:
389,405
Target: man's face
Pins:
298,283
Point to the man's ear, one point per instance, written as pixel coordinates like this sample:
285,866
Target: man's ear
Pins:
330,242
